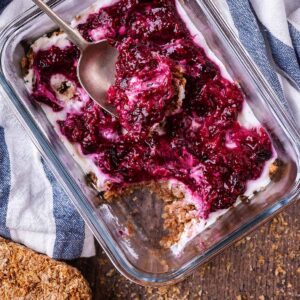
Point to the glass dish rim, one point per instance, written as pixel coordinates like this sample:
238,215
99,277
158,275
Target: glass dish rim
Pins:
76,195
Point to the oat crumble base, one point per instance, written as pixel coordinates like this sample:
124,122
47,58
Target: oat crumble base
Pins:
177,214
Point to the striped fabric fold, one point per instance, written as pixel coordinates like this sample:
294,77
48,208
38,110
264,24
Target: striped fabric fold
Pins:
295,36
264,29
276,28
68,243
4,184
35,211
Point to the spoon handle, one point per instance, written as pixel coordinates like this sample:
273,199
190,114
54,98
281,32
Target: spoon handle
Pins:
73,35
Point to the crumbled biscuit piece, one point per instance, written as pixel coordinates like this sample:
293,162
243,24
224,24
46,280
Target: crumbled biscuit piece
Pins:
276,170
91,180
130,228
26,62
176,215
54,33
63,87
176,212
244,198
25,274
65,90
179,83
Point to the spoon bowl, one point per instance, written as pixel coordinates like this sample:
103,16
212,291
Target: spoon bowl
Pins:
96,66
96,71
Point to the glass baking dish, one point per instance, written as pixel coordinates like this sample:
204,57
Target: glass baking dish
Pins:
138,256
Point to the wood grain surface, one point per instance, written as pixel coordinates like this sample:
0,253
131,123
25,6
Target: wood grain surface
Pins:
264,265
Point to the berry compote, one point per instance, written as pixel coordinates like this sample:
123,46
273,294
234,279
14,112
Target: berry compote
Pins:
161,132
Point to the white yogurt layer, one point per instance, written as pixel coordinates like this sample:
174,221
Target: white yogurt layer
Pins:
44,43
246,118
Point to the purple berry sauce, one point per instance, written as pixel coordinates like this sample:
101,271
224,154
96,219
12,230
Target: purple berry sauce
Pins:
156,51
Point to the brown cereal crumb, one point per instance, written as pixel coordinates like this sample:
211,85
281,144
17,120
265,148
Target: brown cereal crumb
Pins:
110,273
276,170
26,62
228,266
63,87
244,198
53,33
91,180
25,274
130,228
279,271
261,260
240,242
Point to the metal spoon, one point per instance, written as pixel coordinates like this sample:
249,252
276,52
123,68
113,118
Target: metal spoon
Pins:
96,66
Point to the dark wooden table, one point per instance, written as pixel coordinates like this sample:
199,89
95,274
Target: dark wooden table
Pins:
264,265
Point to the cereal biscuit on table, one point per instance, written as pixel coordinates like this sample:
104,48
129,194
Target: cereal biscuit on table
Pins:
25,274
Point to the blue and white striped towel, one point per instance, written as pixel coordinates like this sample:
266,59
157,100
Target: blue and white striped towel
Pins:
35,211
